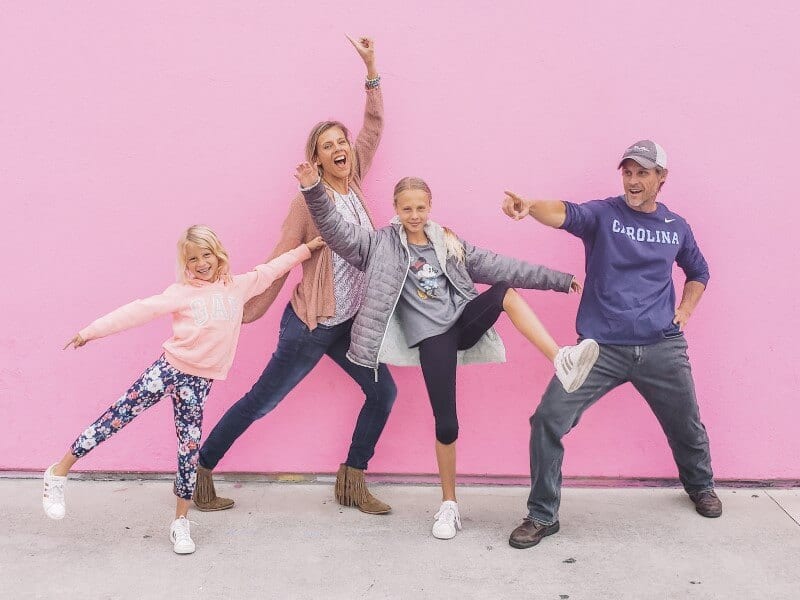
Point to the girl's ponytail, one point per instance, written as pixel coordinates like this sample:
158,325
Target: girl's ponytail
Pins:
454,246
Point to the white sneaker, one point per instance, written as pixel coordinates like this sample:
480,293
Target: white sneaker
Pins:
181,537
573,364
53,494
447,521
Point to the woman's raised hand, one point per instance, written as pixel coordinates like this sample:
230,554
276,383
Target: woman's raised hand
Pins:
306,174
366,50
315,244
75,342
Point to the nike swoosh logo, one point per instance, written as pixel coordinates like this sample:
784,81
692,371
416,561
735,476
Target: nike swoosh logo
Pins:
668,220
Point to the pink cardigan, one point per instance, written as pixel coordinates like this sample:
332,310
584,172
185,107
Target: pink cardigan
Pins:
313,299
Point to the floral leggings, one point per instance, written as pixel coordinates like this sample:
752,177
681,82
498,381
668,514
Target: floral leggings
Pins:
188,393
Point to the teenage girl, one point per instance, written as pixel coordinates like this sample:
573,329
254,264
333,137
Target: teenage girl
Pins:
421,307
206,307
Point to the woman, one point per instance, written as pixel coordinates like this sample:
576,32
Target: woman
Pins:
421,307
318,319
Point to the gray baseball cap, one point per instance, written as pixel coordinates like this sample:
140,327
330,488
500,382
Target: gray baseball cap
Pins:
647,153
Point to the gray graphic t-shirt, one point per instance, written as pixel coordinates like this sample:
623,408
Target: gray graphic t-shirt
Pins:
428,305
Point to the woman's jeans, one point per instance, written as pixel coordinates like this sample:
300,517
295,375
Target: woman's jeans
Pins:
298,351
662,375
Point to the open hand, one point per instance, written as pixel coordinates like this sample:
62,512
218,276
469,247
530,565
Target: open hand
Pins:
315,244
515,206
306,174
75,342
575,287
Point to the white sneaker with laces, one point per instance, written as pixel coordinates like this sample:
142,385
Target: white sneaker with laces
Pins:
574,363
53,495
447,521
181,536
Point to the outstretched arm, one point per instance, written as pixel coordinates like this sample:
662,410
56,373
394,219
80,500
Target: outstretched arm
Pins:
260,278
552,213
485,266
128,316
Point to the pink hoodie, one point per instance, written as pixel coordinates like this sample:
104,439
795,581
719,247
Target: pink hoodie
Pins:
206,317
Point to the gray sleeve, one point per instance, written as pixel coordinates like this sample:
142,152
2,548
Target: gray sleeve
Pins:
484,266
351,242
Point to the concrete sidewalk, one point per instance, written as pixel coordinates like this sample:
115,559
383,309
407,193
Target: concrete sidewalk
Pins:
291,540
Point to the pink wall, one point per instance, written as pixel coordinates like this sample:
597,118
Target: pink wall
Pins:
123,123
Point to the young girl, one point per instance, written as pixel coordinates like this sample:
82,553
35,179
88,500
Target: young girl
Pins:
421,307
206,307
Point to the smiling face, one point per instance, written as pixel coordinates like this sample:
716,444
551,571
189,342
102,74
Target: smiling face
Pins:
333,154
641,185
201,262
413,208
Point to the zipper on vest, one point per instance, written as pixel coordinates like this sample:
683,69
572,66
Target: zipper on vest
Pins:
394,306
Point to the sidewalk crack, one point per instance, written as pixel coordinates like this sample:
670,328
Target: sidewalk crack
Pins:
788,514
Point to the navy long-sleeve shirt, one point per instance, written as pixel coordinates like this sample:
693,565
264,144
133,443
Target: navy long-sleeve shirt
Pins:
629,296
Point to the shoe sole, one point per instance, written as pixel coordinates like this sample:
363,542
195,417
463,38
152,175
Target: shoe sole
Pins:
374,512
523,546
54,517
363,510
708,515
213,509
594,352
182,551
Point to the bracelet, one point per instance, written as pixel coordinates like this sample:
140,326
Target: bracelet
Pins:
371,84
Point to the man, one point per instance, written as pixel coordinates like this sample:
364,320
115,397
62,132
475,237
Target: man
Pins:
628,306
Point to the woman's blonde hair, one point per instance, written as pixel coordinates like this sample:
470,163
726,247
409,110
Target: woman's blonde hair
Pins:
203,236
454,246
313,138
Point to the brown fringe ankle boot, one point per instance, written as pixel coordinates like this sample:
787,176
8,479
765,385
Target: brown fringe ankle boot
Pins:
205,496
351,490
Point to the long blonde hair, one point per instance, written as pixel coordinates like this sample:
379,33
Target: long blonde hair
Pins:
203,236
454,246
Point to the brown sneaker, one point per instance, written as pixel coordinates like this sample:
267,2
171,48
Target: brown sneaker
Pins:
530,533
707,503
351,490
205,496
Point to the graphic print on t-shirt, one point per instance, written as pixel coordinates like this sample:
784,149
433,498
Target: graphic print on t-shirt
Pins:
426,275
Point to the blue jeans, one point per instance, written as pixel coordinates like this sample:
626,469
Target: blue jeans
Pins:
662,375
299,350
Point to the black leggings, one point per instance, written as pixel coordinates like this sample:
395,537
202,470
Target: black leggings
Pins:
438,356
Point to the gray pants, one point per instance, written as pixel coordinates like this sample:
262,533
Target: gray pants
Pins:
662,375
